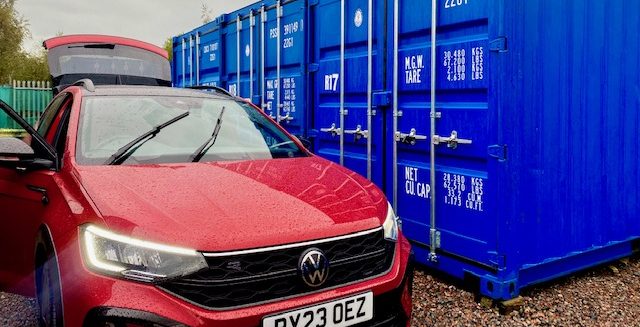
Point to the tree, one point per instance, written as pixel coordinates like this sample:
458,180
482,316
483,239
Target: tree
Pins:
12,32
168,45
16,64
206,14
32,67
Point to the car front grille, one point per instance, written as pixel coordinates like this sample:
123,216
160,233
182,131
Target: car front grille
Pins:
251,277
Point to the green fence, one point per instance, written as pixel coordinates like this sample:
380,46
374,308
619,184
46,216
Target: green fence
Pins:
27,98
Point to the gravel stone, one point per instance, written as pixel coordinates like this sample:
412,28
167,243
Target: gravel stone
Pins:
598,297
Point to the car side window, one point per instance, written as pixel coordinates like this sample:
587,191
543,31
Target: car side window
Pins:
57,134
50,114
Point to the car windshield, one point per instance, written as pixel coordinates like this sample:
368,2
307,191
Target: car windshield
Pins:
109,123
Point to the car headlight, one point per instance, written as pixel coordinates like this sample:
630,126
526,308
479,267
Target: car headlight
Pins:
391,225
122,256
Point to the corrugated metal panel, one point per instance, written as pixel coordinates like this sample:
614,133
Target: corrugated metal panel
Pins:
574,98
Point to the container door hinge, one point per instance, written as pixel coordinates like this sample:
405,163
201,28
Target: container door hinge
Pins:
312,68
498,151
381,99
499,44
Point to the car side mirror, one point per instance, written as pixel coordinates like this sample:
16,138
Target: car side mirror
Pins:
305,142
16,154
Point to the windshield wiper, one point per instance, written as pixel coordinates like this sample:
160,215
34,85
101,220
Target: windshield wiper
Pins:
204,148
126,151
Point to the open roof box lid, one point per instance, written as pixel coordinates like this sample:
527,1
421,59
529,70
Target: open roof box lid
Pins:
106,60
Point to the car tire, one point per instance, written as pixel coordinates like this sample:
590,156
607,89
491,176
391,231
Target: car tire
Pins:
48,292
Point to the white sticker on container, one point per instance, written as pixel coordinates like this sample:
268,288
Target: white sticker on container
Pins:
448,4
413,186
454,186
331,82
474,197
289,89
358,18
291,28
233,89
459,194
273,33
477,63
287,43
211,50
455,61
413,68
270,95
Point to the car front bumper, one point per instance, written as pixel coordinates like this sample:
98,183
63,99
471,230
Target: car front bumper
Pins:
95,300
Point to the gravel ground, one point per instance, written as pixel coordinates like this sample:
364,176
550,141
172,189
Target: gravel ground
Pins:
17,311
605,296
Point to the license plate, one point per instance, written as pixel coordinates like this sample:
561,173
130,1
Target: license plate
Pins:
339,313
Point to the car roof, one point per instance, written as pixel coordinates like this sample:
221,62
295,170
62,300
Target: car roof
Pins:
129,90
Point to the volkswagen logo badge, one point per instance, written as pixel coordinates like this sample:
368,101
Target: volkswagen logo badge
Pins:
314,267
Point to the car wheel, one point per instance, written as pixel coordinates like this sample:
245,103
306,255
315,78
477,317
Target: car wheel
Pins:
48,294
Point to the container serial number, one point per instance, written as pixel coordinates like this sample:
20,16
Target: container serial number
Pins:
455,3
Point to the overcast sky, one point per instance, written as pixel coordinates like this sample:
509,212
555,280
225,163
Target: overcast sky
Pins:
147,20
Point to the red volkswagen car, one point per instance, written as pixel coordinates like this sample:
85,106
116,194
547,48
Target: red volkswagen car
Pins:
154,206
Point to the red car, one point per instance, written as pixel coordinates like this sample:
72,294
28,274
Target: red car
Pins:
155,206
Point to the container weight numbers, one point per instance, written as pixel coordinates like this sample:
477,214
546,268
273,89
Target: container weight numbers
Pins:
455,63
455,186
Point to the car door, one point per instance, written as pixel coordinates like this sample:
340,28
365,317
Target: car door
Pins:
24,194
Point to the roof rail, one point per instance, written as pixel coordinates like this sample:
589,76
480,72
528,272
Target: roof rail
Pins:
211,88
86,83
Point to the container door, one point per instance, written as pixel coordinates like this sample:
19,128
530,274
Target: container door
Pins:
231,48
348,60
180,65
239,54
209,55
284,64
463,226
176,62
184,75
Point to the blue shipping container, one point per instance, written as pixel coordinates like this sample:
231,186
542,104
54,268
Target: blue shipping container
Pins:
242,46
524,170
